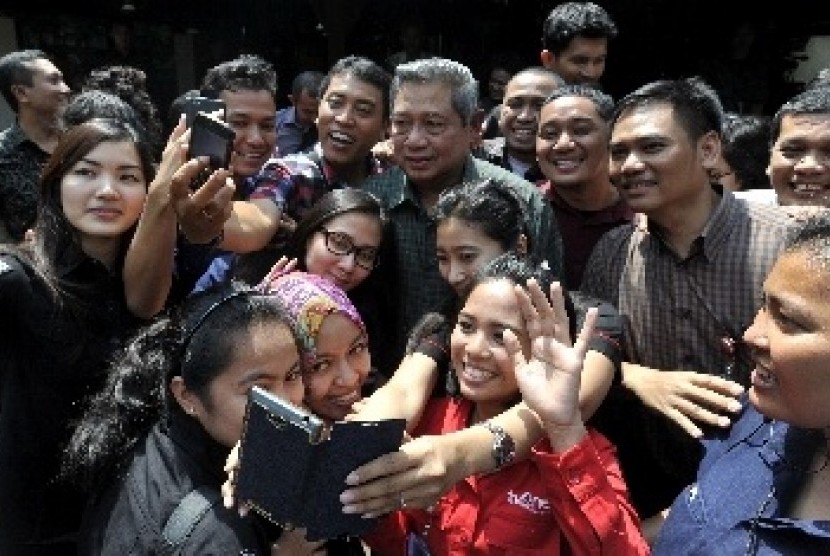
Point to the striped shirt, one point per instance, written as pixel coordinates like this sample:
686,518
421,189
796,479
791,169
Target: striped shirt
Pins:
677,310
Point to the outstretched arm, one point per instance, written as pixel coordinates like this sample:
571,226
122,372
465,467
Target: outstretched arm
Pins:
148,266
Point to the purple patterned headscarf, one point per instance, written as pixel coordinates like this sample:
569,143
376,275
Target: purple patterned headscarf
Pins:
309,299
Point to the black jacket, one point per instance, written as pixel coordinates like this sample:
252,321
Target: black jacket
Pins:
53,355
128,515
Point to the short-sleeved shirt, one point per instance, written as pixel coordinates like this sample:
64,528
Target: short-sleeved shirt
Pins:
676,312
295,182
415,270
582,229
21,162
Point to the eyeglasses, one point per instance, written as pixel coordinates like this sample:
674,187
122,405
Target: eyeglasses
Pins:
341,244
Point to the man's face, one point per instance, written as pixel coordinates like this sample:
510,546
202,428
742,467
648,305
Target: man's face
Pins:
572,145
496,84
350,120
48,94
305,106
519,117
582,62
252,115
429,139
654,163
799,165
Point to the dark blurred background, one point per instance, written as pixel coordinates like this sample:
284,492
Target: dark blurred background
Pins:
750,48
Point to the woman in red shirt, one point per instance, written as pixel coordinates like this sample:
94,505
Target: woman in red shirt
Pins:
569,496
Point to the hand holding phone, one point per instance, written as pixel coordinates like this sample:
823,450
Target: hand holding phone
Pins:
206,105
213,139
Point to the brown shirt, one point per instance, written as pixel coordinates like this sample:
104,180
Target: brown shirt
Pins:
677,310
675,313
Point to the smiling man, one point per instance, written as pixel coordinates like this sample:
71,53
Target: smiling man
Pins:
799,164
434,122
575,40
572,152
351,119
515,149
686,279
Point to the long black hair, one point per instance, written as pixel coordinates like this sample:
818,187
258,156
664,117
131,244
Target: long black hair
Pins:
196,341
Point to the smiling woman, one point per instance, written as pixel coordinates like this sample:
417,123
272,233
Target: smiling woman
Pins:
63,315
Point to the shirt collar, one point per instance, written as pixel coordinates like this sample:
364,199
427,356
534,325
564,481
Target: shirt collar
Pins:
16,136
717,229
372,163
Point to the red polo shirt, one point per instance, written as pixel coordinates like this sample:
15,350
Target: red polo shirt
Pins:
575,499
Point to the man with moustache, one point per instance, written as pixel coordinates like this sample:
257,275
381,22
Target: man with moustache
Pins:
687,280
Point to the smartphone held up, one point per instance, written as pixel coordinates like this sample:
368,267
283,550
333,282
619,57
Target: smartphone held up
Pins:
213,139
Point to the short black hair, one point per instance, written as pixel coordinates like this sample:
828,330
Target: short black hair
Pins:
14,70
576,19
603,102
815,100
307,81
745,147
247,72
695,102
365,70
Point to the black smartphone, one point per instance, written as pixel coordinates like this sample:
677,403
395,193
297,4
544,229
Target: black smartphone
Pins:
211,138
194,105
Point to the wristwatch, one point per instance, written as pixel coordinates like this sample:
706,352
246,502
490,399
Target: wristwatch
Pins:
504,448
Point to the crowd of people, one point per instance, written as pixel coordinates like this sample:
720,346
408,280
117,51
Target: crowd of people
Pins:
604,321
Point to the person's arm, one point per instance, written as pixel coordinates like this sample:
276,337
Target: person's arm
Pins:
252,222
685,397
251,225
148,264
428,466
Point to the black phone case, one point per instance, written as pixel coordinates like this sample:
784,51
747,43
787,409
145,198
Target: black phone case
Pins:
211,138
293,467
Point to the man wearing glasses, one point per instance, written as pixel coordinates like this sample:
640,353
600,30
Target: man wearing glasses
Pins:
434,122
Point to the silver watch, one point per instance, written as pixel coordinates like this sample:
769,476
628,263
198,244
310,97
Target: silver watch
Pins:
504,448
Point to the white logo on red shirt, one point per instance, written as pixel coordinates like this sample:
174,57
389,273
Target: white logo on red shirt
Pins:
529,501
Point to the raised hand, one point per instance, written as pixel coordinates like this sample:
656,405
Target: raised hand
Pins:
283,266
549,379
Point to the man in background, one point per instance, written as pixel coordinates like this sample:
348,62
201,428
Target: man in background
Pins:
575,39
37,93
296,129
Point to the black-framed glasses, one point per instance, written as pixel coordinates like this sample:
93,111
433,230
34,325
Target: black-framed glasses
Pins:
341,244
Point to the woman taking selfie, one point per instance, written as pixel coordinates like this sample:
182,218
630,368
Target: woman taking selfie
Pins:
64,313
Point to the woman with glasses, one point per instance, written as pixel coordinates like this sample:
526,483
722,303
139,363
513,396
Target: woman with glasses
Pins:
339,238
